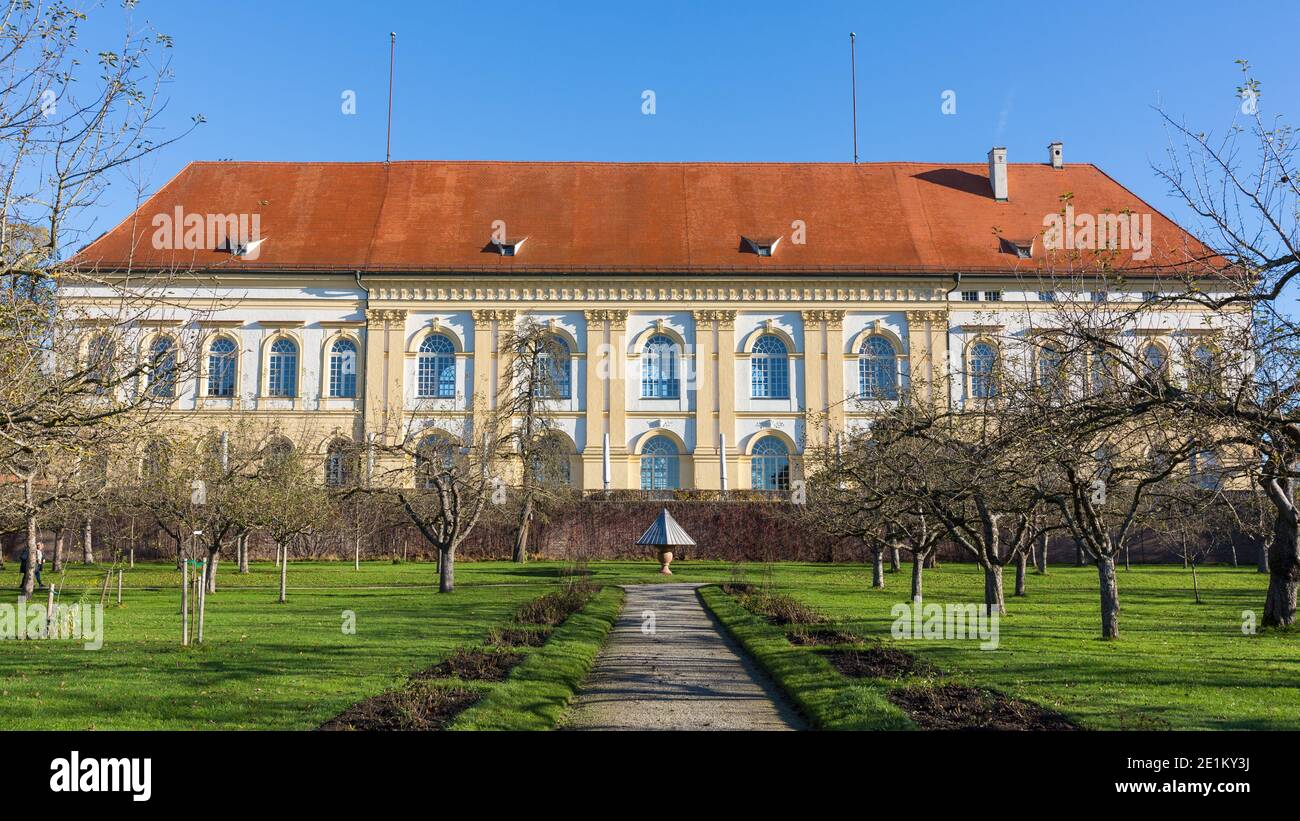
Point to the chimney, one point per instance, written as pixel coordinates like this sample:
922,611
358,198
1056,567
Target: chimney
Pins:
998,173
1054,154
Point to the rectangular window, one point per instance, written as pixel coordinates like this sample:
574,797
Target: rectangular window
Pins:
1150,296
1047,296
992,296
970,296
771,377
282,378
1100,296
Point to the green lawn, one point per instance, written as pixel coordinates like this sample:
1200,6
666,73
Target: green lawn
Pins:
1177,664
274,666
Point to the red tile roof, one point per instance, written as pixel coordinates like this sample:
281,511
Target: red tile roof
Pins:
627,217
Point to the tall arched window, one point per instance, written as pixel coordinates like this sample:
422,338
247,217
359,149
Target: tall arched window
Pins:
162,373
877,369
551,461
769,369
558,384
983,364
436,370
1101,377
1051,372
1206,472
221,367
1202,368
282,373
343,369
770,465
434,455
1153,357
156,461
99,362
659,378
341,464
277,452
659,465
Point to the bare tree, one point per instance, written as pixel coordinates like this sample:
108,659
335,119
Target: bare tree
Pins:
443,482
536,365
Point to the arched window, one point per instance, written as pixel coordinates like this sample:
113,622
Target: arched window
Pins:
769,369
435,454
1102,368
983,364
557,385
770,465
1153,357
343,369
659,378
659,465
1051,371
277,452
221,367
877,369
341,464
99,362
282,373
1202,365
156,461
436,370
551,461
162,373
1206,472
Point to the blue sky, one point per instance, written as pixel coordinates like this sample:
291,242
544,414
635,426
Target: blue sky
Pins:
749,81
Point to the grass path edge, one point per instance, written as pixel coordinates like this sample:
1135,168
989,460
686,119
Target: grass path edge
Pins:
827,699
538,691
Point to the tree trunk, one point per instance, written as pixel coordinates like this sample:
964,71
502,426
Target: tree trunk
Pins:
1261,559
243,553
1022,564
278,553
1196,584
894,561
87,543
58,551
213,557
29,571
1040,558
918,563
1284,573
446,570
282,553
1109,598
878,569
1078,555
356,552
520,553
994,600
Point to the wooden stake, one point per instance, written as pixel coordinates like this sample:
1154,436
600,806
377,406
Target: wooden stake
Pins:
185,603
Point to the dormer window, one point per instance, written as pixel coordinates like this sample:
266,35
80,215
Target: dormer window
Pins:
761,246
1022,248
506,247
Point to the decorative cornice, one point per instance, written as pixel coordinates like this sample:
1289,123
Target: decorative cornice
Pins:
617,319
833,319
385,316
726,319
917,317
506,290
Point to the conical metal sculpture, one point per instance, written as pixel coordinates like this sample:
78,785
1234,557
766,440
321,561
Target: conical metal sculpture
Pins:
665,534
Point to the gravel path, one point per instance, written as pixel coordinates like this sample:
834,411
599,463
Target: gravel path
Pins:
686,675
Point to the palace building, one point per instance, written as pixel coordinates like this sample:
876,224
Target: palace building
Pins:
707,308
